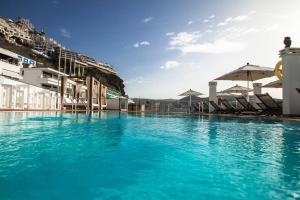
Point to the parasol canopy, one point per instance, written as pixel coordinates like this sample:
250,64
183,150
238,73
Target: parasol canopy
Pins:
238,89
191,93
248,73
274,84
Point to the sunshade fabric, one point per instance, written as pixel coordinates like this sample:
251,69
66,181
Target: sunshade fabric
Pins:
237,89
248,73
225,94
274,84
191,93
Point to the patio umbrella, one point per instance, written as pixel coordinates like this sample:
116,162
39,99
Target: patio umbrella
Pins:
238,89
274,84
191,93
248,73
225,94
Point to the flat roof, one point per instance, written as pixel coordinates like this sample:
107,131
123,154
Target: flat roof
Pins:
45,69
8,53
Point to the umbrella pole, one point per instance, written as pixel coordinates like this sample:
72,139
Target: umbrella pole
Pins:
190,102
248,85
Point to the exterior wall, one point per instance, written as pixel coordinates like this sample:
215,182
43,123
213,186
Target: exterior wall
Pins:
290,80
256,90
19,95
212,94
34,76
10,70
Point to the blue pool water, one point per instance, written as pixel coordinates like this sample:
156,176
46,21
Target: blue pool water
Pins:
122,156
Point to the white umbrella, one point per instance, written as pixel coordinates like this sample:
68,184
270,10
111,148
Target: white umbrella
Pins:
238,89
191,93
248,73
225,94
274,84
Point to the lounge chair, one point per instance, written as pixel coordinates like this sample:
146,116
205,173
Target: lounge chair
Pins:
217,108
229,107
272,107
262,106
245,104
205,107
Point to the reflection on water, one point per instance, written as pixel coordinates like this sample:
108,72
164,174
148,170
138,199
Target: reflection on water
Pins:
101,155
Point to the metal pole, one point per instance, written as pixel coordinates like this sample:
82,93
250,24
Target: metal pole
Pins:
190,103
248,85
58,76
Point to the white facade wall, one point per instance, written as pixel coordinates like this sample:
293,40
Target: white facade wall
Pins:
212,94
18,95
11,70
291,81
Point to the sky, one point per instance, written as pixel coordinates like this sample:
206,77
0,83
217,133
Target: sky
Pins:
161,48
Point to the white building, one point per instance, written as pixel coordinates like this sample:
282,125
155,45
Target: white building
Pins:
10,66
17,94
48,78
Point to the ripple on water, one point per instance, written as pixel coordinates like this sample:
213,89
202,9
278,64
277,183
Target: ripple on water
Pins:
120,156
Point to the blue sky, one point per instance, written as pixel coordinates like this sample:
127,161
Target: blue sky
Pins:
164,47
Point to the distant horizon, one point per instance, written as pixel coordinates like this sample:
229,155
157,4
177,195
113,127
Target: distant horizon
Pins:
159,50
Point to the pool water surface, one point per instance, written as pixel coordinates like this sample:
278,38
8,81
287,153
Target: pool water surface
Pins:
45,155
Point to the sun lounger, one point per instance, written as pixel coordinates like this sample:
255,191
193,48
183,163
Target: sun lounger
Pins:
262,106
228,106
217,108
272,107
246,105
205,107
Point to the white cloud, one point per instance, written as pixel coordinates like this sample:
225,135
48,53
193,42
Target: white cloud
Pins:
170,64
64,32
209,19
237,32
271,27
170,33
251,30
140,44
190,22
148,19
188,42
145,43
252,12
184,38
218,46
234,19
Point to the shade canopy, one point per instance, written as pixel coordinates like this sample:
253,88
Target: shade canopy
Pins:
191,93
248,73
274,84
238,89
225,94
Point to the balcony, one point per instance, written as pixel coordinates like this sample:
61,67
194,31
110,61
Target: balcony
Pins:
9,70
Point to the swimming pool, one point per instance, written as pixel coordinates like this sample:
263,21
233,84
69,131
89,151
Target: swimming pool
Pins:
122,156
